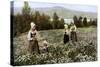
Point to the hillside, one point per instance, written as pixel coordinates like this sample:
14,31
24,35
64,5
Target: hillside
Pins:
61,11
83,50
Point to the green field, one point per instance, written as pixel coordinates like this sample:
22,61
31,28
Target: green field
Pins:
83,50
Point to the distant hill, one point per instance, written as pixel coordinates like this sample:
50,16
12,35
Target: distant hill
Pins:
61,12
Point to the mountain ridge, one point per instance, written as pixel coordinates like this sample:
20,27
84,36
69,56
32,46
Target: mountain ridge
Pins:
61,12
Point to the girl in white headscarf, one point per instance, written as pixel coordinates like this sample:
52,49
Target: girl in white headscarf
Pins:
73,34
33,37
66,34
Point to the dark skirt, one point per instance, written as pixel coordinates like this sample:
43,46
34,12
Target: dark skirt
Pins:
73,36
33,46
66,38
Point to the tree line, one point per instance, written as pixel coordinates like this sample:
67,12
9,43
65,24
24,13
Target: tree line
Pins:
83,21
21,22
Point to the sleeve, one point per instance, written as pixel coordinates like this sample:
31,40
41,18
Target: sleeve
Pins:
29,36
75,28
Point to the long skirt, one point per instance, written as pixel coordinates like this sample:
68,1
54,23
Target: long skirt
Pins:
73,36
66,38
33,46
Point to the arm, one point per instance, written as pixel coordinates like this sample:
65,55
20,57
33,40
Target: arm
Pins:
75,27
29,36
70,29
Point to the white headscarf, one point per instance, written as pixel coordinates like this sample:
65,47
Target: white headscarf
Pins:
66,26
32,25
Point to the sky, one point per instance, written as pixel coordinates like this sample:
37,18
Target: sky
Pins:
84,8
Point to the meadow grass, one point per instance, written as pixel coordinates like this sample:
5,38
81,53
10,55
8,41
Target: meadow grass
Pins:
83,50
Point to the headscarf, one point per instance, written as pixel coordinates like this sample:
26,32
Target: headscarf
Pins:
66,26
32,25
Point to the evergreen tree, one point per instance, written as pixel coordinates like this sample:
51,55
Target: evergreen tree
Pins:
26,17
85,21
26,9
55,21
61,23
75,20
80,21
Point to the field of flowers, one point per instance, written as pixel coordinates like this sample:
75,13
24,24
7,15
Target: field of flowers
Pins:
82,51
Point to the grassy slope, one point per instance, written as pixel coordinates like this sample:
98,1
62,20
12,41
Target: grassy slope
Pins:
58,52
